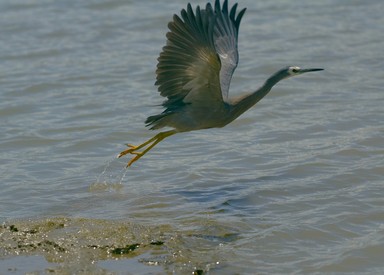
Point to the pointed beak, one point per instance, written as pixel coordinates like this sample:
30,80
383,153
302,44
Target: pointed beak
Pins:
310,70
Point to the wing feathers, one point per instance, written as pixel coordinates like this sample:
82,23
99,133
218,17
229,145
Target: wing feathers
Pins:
197,63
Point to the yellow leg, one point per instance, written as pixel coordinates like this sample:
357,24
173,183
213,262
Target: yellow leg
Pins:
151,142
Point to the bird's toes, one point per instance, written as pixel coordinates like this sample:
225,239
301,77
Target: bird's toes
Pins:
130,145
133,160
129,151
138,154
120,155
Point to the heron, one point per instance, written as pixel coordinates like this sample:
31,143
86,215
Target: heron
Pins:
194,72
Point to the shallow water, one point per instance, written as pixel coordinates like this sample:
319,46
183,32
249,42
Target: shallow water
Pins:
293,186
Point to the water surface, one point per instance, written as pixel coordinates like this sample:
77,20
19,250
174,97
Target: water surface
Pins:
293,186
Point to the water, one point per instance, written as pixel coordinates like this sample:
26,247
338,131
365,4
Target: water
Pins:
293,186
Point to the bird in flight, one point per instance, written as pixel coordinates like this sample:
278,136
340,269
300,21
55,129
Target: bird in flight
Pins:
194,72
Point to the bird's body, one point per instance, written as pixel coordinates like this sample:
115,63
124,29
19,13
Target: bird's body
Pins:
195,68
194,73
196,118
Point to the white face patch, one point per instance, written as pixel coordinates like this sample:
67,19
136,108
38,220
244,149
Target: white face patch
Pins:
293,70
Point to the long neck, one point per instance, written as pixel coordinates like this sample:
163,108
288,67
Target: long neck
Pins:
244,103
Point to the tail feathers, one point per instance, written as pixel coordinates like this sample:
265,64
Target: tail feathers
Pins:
156,121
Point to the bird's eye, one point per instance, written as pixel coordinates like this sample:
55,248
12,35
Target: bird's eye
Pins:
295,70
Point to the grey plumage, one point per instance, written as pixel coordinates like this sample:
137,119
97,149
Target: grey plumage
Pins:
194,72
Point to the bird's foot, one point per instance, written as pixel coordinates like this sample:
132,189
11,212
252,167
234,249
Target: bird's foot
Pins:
130,150
135,158
146,146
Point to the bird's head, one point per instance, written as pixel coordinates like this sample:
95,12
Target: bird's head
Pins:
294,70
288,72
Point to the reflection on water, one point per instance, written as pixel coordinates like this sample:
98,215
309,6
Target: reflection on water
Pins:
294,185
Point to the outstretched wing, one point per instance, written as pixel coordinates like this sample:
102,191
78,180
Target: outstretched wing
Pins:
226,33
198,61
